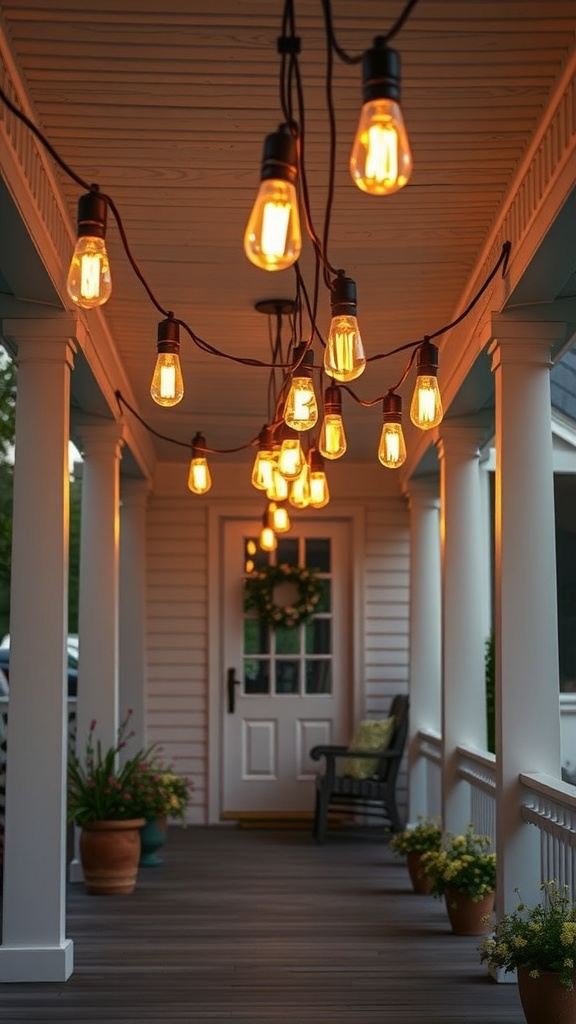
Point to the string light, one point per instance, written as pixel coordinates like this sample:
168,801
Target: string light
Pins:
301,410
426,406
199,478
167,387
381,159
344,356
89,282
380,162
392,447
332,441
273,240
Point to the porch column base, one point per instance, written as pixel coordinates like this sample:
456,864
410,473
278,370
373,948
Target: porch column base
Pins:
36,963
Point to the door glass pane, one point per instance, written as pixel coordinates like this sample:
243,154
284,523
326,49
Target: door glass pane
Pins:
324,604
256,676
287,641
318,676
318,554
287,550
256,637
318,635
286,676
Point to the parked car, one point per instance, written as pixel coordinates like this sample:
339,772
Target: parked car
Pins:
5,669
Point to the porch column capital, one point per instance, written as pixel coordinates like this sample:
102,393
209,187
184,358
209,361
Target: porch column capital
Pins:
100,440
39,340
423,492
521,342
459,440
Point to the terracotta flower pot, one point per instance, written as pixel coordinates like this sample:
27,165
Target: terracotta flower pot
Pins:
110,851
544,1000
466,915
421,883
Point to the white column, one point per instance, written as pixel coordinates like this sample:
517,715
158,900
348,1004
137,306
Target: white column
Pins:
526,621
34,945
132,684
463,697
425,635
99,579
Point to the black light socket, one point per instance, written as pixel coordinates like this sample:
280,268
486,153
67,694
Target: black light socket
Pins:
92,211
169,336
392,408
279,157
380,72
427,360
344,300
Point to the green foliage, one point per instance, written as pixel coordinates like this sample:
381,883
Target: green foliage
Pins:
462,863
539,938
74,555
426,835
100,790
490,666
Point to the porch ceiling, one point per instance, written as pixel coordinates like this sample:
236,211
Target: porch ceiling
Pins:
166,107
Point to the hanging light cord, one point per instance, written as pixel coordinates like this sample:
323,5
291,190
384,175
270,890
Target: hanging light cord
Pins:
174,440
347,58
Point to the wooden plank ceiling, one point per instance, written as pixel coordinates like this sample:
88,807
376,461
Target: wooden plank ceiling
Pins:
166,107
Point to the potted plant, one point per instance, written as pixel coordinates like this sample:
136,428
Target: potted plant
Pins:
539,943
106,801
426,835
163,794
463,871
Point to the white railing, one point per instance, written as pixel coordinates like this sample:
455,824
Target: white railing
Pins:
478,768
429,749
550,805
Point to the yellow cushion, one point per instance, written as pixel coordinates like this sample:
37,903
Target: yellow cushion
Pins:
371,734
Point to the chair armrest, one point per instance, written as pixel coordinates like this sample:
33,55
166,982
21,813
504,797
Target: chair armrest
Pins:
327,751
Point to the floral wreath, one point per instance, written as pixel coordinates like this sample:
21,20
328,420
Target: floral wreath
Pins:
260,595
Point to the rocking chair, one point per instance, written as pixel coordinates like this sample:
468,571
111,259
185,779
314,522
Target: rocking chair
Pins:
372,796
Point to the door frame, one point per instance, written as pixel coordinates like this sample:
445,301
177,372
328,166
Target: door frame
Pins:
218,514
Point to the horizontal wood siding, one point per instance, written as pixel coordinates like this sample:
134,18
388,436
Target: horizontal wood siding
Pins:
386,622
177,660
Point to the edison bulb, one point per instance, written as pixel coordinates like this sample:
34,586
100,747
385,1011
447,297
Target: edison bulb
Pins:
300,489
199,478
278,517
426,406
301,411
279,487
381,159
392,447
167,387
332,441
89,282
319,492
267,539
290,459
264,463
344,356
273,239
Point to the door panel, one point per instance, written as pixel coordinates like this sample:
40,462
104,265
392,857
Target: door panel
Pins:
292,687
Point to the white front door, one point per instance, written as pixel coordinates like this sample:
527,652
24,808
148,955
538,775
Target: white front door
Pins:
286,689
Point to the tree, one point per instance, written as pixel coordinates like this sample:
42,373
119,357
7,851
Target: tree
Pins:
8,382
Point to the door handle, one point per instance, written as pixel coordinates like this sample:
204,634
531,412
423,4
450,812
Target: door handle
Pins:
231,685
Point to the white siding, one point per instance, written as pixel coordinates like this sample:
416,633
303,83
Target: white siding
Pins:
176,703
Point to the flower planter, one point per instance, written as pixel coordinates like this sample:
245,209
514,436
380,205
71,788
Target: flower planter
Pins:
421,883
153,835
544,1000
110,851
466,915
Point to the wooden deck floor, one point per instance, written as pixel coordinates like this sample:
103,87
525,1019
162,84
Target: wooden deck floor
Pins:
263,926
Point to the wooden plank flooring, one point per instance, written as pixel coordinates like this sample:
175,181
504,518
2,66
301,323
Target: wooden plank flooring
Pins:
265,927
